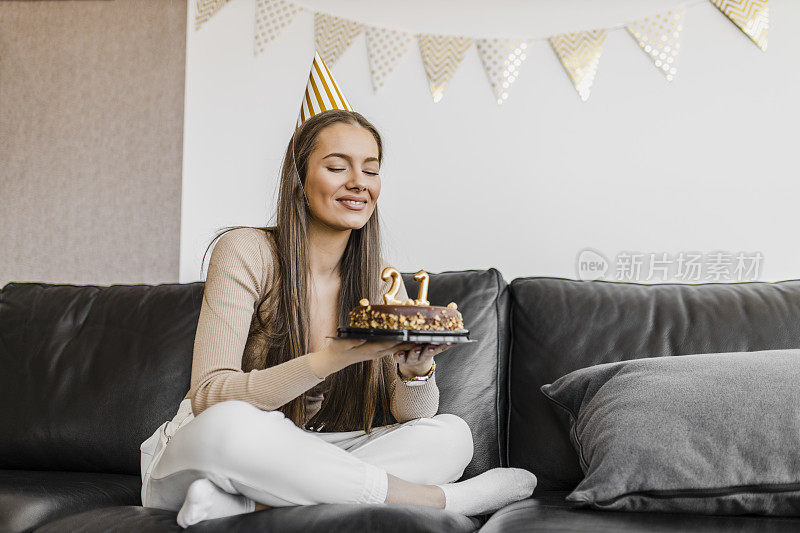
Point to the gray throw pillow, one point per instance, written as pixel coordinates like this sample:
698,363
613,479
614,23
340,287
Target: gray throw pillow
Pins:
708,433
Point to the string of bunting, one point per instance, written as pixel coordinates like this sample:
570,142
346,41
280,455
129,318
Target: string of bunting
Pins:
657,35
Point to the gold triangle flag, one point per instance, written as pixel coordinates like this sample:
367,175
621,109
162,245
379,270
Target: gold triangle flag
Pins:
271,17
205,9
501,60
441,55
659,37
322,92
579,52
332,35
752,16
385,48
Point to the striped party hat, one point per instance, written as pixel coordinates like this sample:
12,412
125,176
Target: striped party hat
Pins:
322,93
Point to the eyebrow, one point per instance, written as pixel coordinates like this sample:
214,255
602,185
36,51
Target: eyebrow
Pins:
345,156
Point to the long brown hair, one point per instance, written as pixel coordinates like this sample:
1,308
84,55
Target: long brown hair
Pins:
356,397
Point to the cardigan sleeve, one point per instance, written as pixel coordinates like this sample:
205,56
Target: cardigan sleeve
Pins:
406,402
235,282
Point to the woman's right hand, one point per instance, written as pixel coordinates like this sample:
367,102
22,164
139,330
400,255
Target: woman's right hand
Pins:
339,353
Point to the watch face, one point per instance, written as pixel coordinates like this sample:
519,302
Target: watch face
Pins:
416,383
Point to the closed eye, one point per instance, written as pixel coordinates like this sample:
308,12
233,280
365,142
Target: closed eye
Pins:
340,169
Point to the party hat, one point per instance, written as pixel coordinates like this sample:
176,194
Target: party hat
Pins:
322,93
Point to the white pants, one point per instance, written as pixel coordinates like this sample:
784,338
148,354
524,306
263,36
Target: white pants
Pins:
266,457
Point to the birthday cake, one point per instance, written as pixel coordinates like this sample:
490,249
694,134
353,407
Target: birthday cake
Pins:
395,314
416,317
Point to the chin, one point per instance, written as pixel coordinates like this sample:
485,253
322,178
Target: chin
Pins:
356,225
344,225
356,221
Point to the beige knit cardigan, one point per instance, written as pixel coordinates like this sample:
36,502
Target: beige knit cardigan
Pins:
225,363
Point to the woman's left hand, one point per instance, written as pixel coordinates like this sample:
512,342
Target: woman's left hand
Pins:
417,361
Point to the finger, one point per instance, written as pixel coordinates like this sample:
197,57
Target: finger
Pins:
442,347
349,343
405,345
387,345
429,352
424,358
415,353
431,349
399,348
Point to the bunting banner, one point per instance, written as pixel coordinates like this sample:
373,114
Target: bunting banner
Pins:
332,35
385,48
205,9
502,58
752,16
441,55
659,37
579,52
271,17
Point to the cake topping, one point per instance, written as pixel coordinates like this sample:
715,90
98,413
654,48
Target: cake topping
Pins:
422,297
409,313
390,298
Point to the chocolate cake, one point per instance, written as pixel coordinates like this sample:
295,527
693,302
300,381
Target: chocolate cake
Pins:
412,317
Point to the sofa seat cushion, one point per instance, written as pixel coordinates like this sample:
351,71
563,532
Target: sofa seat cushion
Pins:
31,498
549,511
295,519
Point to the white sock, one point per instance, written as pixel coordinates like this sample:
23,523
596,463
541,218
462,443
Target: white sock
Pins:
204,501
488,492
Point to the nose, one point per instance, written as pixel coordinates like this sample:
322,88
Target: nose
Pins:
357,182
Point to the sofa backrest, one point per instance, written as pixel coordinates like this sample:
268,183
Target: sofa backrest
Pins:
560,325
471,377
88,372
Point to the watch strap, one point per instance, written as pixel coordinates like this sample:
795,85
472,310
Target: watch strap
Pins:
416,380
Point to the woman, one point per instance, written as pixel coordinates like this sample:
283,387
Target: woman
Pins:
267,379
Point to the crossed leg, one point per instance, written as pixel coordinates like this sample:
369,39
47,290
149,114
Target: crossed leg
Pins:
266,457
417,455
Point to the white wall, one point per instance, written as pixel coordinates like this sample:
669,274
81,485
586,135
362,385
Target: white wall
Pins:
707,162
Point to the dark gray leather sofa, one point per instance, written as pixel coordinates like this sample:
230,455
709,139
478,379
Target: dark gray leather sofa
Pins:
89,372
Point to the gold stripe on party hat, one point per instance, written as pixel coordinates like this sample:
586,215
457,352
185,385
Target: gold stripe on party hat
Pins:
322,92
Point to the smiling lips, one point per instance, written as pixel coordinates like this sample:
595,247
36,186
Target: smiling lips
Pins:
355,205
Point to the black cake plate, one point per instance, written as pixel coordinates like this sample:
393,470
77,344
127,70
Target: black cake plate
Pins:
405,335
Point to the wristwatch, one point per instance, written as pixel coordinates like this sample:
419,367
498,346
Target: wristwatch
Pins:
416,381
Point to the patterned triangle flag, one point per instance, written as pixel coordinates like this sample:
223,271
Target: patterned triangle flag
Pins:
385,48
441,55
752,16
659,37
580,53
271,17
322,92
501,60
205,9
332,35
